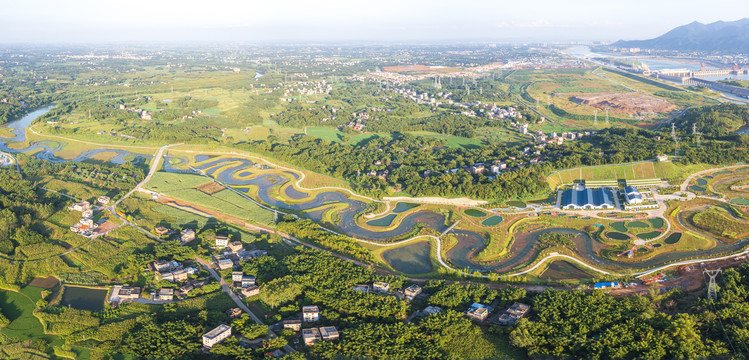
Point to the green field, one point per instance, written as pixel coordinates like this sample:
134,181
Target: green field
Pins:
181,186
634,171
18,307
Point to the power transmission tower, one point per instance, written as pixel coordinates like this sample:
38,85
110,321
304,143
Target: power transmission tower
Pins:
468,90
694,129
607,116
673,131
275,216
712,288
595,117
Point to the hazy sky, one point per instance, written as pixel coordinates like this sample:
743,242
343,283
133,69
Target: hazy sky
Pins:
64,21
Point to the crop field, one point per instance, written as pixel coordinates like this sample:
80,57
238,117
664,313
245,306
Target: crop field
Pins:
18,307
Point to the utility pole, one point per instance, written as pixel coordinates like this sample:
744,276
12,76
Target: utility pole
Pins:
712,288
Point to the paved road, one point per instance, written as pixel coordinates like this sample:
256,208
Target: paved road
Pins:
154,168
225,288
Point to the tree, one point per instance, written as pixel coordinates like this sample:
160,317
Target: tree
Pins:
246,326
280,291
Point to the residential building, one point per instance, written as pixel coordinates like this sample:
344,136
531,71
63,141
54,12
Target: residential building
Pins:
381,287
236,276
513,314
361,287
478,311
250,291
162,265
187,235
311,313
222,241
234,313
311,336
160,230
224,264
128,293
180,275
412,291
329,333
216,335
103,200
165,294
80,206
293,324
248,281
587,199
662,158
235,246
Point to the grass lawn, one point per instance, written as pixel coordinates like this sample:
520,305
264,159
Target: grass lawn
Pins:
18,307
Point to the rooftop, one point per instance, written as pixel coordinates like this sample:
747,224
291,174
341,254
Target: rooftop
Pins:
217,331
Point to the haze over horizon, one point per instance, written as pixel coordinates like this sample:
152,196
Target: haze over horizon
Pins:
82,21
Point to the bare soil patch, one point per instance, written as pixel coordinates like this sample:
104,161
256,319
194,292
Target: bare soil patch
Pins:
44,283
633,103
210,188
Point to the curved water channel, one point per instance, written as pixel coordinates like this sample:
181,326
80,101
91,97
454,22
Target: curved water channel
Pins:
238,172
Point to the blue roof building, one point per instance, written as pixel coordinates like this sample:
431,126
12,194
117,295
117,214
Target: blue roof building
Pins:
587,199
632,195
606,285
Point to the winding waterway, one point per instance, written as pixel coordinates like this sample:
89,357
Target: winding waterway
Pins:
245,176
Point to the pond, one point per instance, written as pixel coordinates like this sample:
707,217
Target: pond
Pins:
617,235
619,226
673,238
656,222
740,201
563,270
649,235
657,245
410,259
474,213
696,188
701,182
383,221
638,224
492,221
402,207
83,298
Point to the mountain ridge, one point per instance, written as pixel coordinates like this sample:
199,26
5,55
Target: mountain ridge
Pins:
719,36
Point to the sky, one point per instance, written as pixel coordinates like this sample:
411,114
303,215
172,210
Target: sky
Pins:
112,21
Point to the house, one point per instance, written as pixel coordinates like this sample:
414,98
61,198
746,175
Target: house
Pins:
250,290
162,265
248,281
412,291
661,158
128,293
216,335
87,214
587,199
329,333
236,276
606,285
103,200
632,195
478,311
222,241
234,313
513,314
361,287
235,246
429,310
293,324
187,235
165,294
80,206
224,264
311,313
381,286
160,230
311,336
476,169
179,275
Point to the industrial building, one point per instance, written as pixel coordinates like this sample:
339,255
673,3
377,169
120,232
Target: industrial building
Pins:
587,199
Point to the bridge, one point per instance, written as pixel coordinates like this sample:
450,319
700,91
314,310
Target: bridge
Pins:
448,229
735,90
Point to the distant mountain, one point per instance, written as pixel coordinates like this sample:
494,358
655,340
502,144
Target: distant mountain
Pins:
731,36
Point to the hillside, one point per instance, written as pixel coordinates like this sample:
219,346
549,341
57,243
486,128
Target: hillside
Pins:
731,36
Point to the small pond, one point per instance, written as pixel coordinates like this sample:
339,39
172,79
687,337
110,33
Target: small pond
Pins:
492,221
673,238
82,298
617,235
474,213
402,207
649,235
410,259
383,221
